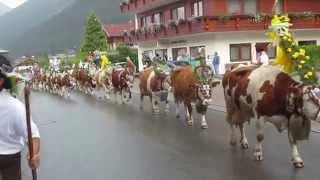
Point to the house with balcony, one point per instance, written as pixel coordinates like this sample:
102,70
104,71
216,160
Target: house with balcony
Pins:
115,34
235,29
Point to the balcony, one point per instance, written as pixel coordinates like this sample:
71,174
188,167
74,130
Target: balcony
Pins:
137,6
216,24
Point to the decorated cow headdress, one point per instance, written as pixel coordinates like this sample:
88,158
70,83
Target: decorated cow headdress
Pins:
203,73
290,56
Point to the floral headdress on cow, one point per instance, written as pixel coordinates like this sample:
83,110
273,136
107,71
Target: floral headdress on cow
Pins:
290,56
203,73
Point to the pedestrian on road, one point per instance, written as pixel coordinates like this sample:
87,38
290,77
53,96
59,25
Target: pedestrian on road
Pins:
13,133
216,63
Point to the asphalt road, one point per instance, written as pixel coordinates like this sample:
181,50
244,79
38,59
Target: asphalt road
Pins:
87,139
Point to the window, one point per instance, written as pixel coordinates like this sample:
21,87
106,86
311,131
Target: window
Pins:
250,7
178,13
305,43
179,54
237,7
148,54
234,6
197,53
157,18
163,53
270,50
240,52
197,9
146,21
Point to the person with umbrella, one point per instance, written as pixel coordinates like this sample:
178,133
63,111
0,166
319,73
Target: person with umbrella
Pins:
13,132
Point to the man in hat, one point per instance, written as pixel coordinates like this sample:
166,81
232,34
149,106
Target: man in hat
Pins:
13,133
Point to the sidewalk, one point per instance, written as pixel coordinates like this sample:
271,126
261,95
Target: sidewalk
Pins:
217,103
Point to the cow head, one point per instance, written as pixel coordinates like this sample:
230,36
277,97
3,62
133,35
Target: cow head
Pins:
311,103
305,100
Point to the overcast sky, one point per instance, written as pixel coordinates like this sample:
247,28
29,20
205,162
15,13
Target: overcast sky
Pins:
13,3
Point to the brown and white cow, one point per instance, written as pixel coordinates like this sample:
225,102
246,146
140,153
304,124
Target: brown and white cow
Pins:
156,85
122,81
103,81
85,82
265,94
187,89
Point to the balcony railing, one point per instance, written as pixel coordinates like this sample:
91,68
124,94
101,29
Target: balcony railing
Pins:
142,5
216,24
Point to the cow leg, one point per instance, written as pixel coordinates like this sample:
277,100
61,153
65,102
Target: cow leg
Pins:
155,103
177,110
233,136
243,138
188,109
167,108
296,158
141,101
258,149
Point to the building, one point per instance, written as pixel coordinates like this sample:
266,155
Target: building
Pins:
198,28
115,33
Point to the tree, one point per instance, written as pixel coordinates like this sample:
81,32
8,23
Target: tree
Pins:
44,61
95,37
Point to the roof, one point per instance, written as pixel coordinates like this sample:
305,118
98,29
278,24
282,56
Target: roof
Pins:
116,30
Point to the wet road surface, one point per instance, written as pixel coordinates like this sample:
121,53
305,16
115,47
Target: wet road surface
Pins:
87,139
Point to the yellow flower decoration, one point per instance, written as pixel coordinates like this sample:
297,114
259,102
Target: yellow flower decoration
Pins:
289,49
302,52
295,55
285,38
309,73
306,76
289,40
300,66
302,62
307,57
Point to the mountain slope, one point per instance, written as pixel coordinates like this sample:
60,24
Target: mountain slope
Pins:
28,15
3,9
65,30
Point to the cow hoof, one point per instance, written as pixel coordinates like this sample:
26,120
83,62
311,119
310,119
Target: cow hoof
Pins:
258,156
298,164
244,145
190,123
204,126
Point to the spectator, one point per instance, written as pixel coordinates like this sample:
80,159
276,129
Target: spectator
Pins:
216,63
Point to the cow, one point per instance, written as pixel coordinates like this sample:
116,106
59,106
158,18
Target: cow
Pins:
265,94
65,84
122,81
103,81
156,85
190,87
85,82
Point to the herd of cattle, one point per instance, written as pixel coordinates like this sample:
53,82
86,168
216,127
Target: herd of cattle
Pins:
259,94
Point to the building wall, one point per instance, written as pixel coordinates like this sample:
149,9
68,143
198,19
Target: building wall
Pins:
220,42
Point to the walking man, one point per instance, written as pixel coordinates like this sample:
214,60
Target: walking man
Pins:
13,133
216,63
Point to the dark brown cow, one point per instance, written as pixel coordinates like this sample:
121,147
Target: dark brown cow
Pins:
187,88
85,82
267,94
122,80
156,86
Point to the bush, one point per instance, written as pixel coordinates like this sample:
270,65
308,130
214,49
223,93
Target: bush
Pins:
314,52
121,54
